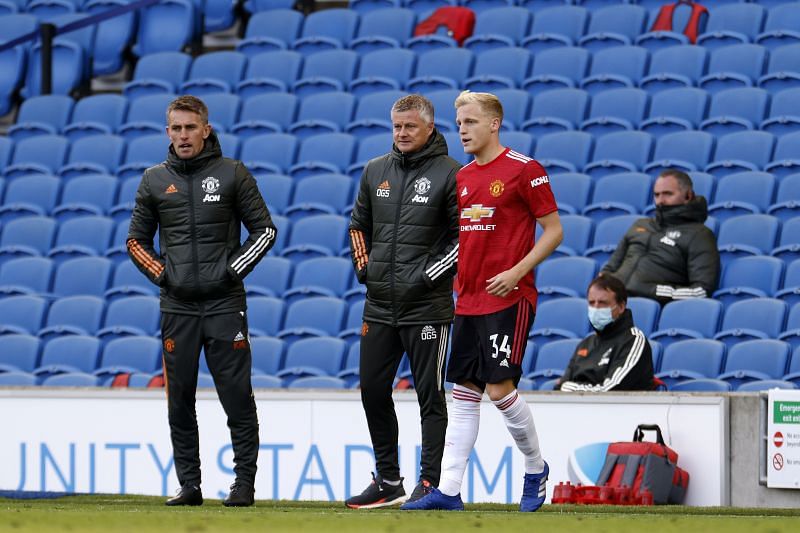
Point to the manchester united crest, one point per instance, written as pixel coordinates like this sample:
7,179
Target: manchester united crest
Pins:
210,184
496,188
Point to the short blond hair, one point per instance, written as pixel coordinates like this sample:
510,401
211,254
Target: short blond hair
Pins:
189,103
489,103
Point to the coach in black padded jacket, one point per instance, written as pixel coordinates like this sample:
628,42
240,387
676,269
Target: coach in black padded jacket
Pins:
197,201
404,244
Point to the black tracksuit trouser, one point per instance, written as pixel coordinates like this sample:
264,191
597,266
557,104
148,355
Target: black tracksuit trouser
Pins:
382,348
224,338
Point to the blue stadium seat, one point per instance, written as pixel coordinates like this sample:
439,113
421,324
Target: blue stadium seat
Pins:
270,152
500,68
676,110
324,153
383,29
565,151
277,190
135,315
315,236
265,314
747,235
350,373
735,110
607,234
691,359
613,26
27,236
788,248
167,26
158,73
320,194
228,142
560,67
326,71
46,10
214,72
552,360
686,150
784,115
423,8
757,318
19,353
696,318
645,314
327,112
71,379
383,70
373,114
515,107
732,24
556,111
785,160
223,110
577,233
129,355
623,151
564,276
559,319
22,314
73,315
783,71
675,67
481,6
317,382
41,115
30,196
441,69
271,30
264,381
284,228
782,27
552,27
318,356
112,38
143,153
82,236
792,373
750,277
267,353
84,275
702,385
68,69
367,6
96,114
352,326
741,193
313,317
320,276
792,334
326,30
71,353
270,72
374,146
26,275
619,194
498,28
519,141
619,66
765,385
95,154
146,117
616,110
755,360
43,154
6,149
730,67
12,73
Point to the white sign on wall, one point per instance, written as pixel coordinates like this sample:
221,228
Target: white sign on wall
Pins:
783,439
315,446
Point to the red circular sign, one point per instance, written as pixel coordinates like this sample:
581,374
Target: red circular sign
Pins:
777,461
778,439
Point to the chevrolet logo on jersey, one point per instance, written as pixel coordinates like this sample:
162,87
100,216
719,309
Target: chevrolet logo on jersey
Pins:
476,212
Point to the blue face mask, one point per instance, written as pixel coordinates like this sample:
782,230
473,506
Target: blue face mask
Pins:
600,317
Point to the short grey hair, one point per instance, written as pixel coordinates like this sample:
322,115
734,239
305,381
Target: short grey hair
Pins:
415,102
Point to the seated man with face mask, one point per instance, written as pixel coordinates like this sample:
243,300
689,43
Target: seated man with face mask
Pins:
617,355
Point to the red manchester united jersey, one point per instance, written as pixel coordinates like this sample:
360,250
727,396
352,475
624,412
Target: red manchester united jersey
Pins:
499,203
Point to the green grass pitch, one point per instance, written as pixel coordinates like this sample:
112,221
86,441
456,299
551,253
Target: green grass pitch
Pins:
145,514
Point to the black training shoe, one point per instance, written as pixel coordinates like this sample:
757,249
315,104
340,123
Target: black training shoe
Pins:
422,489
241,495
188,494
378,494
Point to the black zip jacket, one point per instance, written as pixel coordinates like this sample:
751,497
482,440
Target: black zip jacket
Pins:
670,257
404,235
198,206
616,358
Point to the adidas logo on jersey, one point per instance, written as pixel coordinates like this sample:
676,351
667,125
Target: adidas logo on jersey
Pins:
171,189
428,334
383,190
504,362
464,192
239,337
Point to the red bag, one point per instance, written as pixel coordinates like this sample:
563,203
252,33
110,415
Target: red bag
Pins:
459,22
645,467
694,26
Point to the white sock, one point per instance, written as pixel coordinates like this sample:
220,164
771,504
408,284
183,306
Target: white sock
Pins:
462,431
519,422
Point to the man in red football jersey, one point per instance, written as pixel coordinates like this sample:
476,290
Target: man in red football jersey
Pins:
502,195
